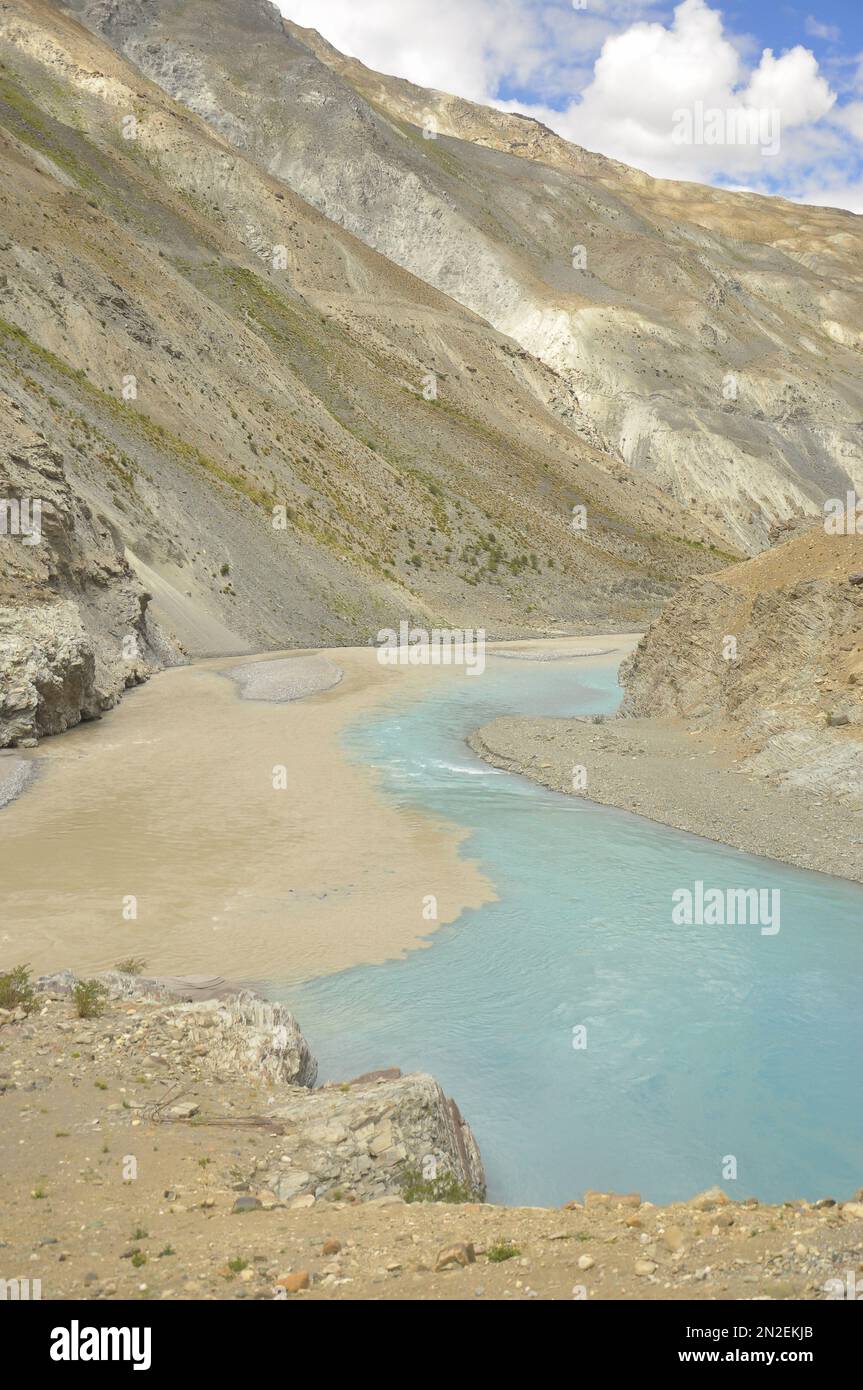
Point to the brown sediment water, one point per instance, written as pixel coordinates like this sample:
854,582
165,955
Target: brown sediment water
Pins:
158,832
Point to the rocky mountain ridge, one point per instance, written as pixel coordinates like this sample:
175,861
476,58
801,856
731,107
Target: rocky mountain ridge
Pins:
710,340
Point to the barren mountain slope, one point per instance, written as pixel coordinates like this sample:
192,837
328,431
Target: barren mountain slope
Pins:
713,340
789,686
294,440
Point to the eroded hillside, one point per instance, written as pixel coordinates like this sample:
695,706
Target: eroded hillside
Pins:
770,651
711,340
288,438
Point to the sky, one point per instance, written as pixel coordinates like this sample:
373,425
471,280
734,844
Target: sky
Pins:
765,95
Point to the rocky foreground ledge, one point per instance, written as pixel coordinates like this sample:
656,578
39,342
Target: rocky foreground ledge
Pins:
189,1059
173,1147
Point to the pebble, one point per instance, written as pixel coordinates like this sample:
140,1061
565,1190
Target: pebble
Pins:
243,1204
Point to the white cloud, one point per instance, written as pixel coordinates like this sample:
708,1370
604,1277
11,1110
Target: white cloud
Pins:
847,194
462,46
851,119
646,75
647,71
817,30
793,85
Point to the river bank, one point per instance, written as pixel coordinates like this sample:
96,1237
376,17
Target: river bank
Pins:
217,825
679,778
214,822
140,1163
580,936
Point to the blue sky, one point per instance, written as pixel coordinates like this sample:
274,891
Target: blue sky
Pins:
767,96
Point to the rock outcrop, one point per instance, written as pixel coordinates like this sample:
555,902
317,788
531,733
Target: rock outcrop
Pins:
371,1137
74,630
47,673
771,653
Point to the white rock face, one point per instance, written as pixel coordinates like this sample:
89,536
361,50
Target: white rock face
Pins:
369,1137
73,627
47,672
248,1036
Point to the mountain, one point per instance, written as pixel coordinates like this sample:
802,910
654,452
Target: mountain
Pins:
711,340
260,431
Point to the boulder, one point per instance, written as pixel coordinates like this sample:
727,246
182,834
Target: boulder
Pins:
453,1255
367,1140
705,1201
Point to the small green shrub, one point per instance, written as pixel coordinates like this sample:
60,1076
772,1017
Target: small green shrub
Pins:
16,991
132,965
443,1188
502,1250
89,998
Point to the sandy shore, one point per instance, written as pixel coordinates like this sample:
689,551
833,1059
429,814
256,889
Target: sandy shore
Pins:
170,801
685,780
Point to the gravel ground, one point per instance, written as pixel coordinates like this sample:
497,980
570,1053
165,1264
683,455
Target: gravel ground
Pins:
289,678
15,773
79,1098
681,779
538,653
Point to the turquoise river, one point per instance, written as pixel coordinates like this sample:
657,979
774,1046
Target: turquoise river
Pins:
703,1044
